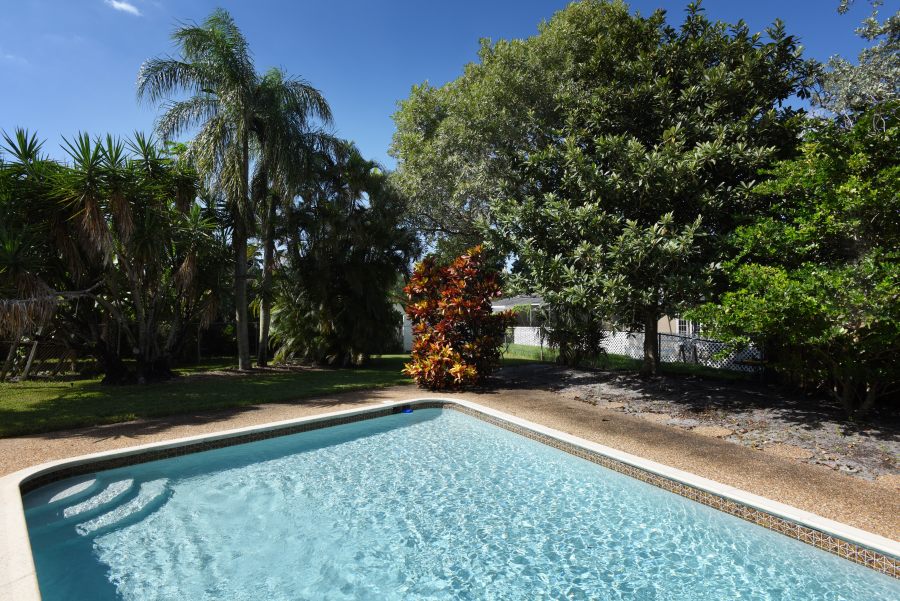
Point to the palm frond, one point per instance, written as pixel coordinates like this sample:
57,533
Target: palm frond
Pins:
160,78
180,116
23,146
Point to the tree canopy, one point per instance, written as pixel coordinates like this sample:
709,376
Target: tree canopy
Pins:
241,117
347,247
610,152
845,89
138,228
814,275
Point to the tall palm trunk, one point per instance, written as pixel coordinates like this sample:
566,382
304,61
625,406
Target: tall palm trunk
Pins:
265,305
240,265
240,293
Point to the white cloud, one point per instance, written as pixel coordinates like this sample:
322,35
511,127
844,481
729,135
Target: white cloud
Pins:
125,7
9,57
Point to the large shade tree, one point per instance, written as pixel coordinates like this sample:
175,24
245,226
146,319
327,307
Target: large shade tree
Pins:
617,150
813,273
814,276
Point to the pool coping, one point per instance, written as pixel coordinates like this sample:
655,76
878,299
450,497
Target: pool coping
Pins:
18,578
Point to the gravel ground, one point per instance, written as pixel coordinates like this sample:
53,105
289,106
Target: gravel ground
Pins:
550,396
749,413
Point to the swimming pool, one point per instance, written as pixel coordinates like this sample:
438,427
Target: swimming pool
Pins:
433,504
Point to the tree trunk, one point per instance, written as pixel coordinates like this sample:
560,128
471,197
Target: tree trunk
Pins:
265,305
871,395
240,293
239,244
650,366
28,364
154,369
10,356
114,369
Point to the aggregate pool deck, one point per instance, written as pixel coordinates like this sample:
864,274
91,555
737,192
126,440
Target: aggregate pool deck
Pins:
863,504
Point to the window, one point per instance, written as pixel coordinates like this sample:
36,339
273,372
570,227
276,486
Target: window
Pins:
688,328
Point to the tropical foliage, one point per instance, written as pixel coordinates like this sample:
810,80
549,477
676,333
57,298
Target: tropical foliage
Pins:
458,338
244,119
137,230
346,249
814,277
576,335
118,233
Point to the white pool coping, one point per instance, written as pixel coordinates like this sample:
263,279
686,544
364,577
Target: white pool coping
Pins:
18,579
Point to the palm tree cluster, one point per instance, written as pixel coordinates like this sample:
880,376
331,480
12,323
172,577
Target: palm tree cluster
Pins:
244,121
340,271
261,207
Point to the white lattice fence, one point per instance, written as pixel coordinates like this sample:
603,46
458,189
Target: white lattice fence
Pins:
672,348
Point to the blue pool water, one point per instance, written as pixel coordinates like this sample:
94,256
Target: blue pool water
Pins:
428,505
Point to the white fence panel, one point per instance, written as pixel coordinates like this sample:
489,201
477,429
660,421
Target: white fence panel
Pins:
672,348
407,334
527,336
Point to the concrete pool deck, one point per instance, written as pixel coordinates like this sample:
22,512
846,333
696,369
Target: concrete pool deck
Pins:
852,501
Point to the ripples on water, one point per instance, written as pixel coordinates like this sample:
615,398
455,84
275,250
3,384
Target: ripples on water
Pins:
433,505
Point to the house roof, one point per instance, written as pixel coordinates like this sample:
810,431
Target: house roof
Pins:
514,301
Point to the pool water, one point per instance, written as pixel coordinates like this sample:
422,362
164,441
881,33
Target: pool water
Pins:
429,505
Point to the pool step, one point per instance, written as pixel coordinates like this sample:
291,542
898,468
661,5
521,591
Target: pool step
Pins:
73,491
150,496
50,500
106,496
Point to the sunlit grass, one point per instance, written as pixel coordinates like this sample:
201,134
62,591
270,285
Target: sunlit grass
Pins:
40,406
517,354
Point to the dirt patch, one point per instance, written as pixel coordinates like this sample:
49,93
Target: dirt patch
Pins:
788,450
752,414
889,480
612,406
659,418
712,431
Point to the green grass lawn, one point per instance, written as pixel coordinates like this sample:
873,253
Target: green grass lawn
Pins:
39,406
519,353
43,406
548,355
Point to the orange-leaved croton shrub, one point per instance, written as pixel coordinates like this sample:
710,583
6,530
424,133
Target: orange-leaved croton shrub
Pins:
456,336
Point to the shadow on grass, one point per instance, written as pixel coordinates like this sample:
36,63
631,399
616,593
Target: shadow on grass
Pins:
34,407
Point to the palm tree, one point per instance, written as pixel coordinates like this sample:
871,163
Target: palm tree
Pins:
117,226
287,136
242,118
347,247
216,70
25,299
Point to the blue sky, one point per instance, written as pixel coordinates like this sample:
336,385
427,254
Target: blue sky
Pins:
70,65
